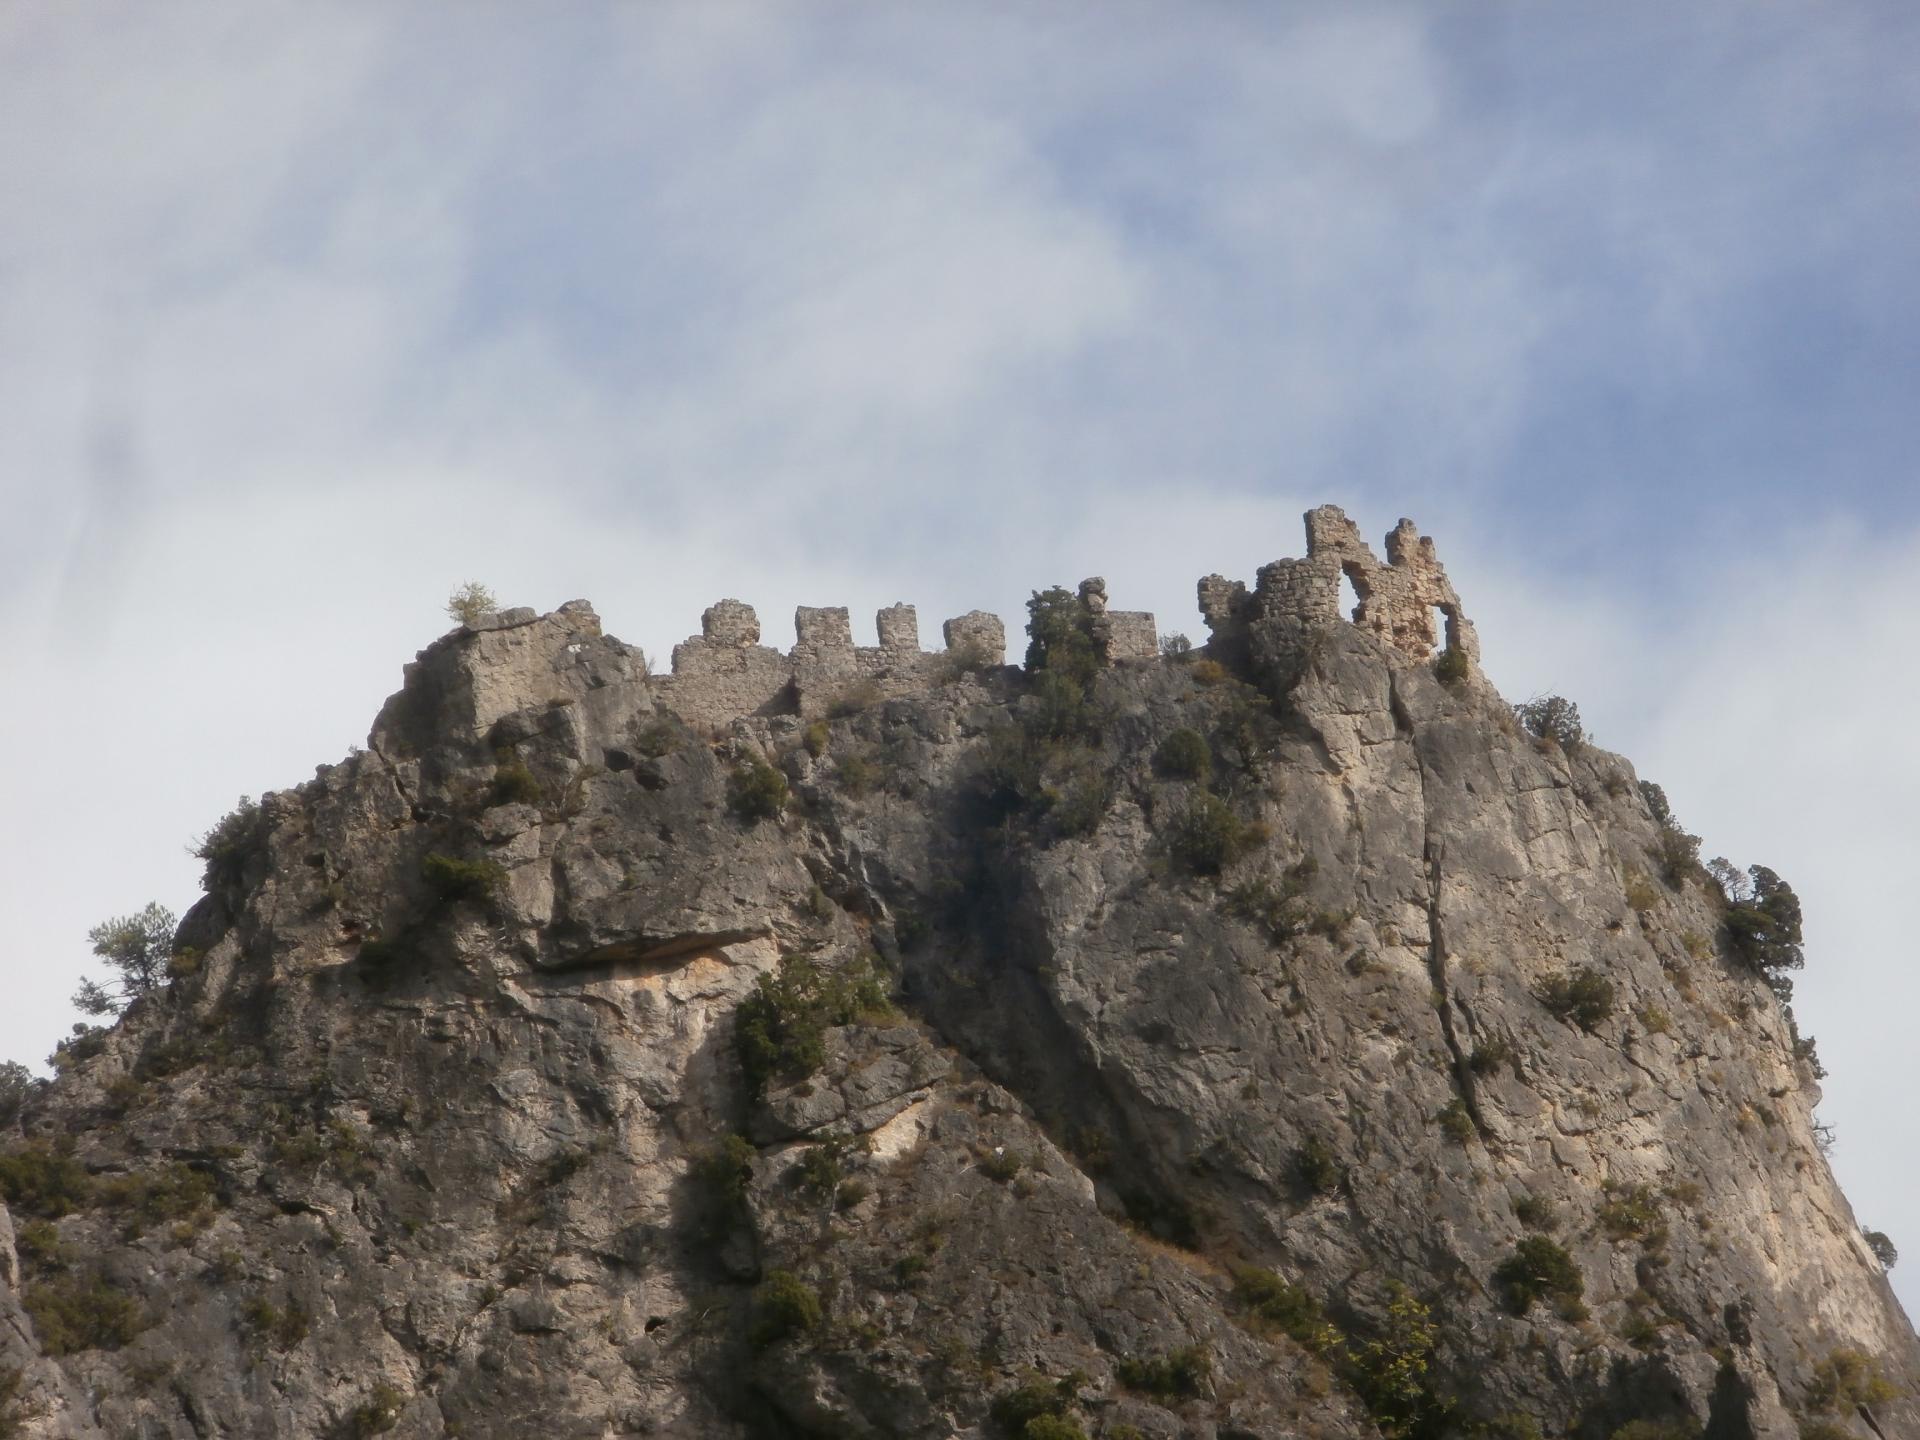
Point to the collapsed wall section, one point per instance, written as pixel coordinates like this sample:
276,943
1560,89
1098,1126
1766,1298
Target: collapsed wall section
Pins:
1398,600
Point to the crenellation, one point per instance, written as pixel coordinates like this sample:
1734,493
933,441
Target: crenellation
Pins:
981,634
725,672
899,629
823,639
729,622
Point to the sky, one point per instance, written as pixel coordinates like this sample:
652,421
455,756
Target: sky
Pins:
309,313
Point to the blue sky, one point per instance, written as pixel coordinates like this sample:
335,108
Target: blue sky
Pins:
308,313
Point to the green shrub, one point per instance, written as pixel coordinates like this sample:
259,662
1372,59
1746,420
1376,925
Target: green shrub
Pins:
1208,836
1847,1378
1001,1164
756,791
1490,1054
1013,776
1267,1302
378,1413
271,1325
1451,667
783,1305
1631,1213
721,1175
1656,800
1678,855
1244,727
1762,923
857,774
1535,1212
513,784
1390,1371
470,603
39,1180
857,698
336,1146
1642,894
172,1192
1053,1427
1455,1121
384,952
456,880
1315,1167
1284,911
1060,636
816,738
39,1245
82,1045
1882,1247
82,1312
1538,1269
969,657
1034,1398
1056,709
16,1086
1184,755
659,737
1176,647
1179,1372
1825,1430
780,1029
851,1193
1078,808
819,1170
1554,719
1584,996
225,847
1655,1021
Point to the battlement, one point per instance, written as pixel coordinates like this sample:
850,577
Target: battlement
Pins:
724,672
1397,600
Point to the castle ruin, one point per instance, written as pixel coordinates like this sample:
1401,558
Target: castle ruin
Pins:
725,672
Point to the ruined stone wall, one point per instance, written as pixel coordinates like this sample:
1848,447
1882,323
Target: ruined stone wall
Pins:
1119,634
1397,599
725,672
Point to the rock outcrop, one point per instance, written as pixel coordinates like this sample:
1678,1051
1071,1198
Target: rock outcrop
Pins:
1271,1040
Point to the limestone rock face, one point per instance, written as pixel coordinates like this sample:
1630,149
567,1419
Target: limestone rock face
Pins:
524,1074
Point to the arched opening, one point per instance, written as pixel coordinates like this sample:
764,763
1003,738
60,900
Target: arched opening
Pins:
1350,596
1442,628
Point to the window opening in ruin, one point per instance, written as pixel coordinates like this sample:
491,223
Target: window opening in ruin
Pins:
1349,598
1442,636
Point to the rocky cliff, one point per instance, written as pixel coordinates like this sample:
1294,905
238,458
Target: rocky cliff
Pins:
1274,1039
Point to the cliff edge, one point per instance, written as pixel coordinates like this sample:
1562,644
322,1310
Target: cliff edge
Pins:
1270,1039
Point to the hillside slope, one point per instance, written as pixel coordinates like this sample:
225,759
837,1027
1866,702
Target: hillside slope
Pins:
863,1043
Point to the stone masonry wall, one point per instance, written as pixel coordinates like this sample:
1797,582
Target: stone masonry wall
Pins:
724,672
1290,597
